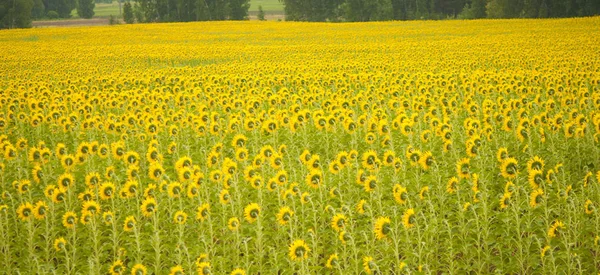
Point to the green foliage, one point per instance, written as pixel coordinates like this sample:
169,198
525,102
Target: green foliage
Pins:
302,10
52,15
128,16
39,9
62,7
261,14
238,9
376,10
15,13
85,8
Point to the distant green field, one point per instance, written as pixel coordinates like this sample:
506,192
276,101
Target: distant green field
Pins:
268,5
105,10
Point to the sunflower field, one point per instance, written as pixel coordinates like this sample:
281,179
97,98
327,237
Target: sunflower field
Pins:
448,147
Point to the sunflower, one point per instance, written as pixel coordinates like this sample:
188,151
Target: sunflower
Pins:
332,261
117,268
133,172
276,161
553,231
536,163
505,200
23,186
34,155
25,211
60,244
544,250
106,190
452,185
216,176
10,153
389,157
92,179
241,154
463,168
58,195
369,265
334,167
267,151
129,224
298,250
314,178
118,150
174,189
49,190
238,271
91,207
382,227
229,167
69,219
153,155
239,141
37,173
314,162
535,178
408,218
370,183
502,154
108,217
103,151
109,173
370,160
414,156
256,182
65,181
361,177
155,171
149,207
224,197
423,192
86,195
305,156
203,212
305,197
203,268
338,222
400,194
284,215
233,224
138,269
251,212
447,146
180,217
426,160
129,189
86,217
509,168
536,197
588,207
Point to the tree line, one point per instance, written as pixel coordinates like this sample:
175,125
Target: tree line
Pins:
19,13
186,10
379,10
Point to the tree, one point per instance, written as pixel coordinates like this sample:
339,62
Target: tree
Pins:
238,9
15,13
39,9
62,7
85,8
128,13
261,13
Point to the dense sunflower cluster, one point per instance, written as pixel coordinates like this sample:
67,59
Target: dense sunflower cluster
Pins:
281,148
